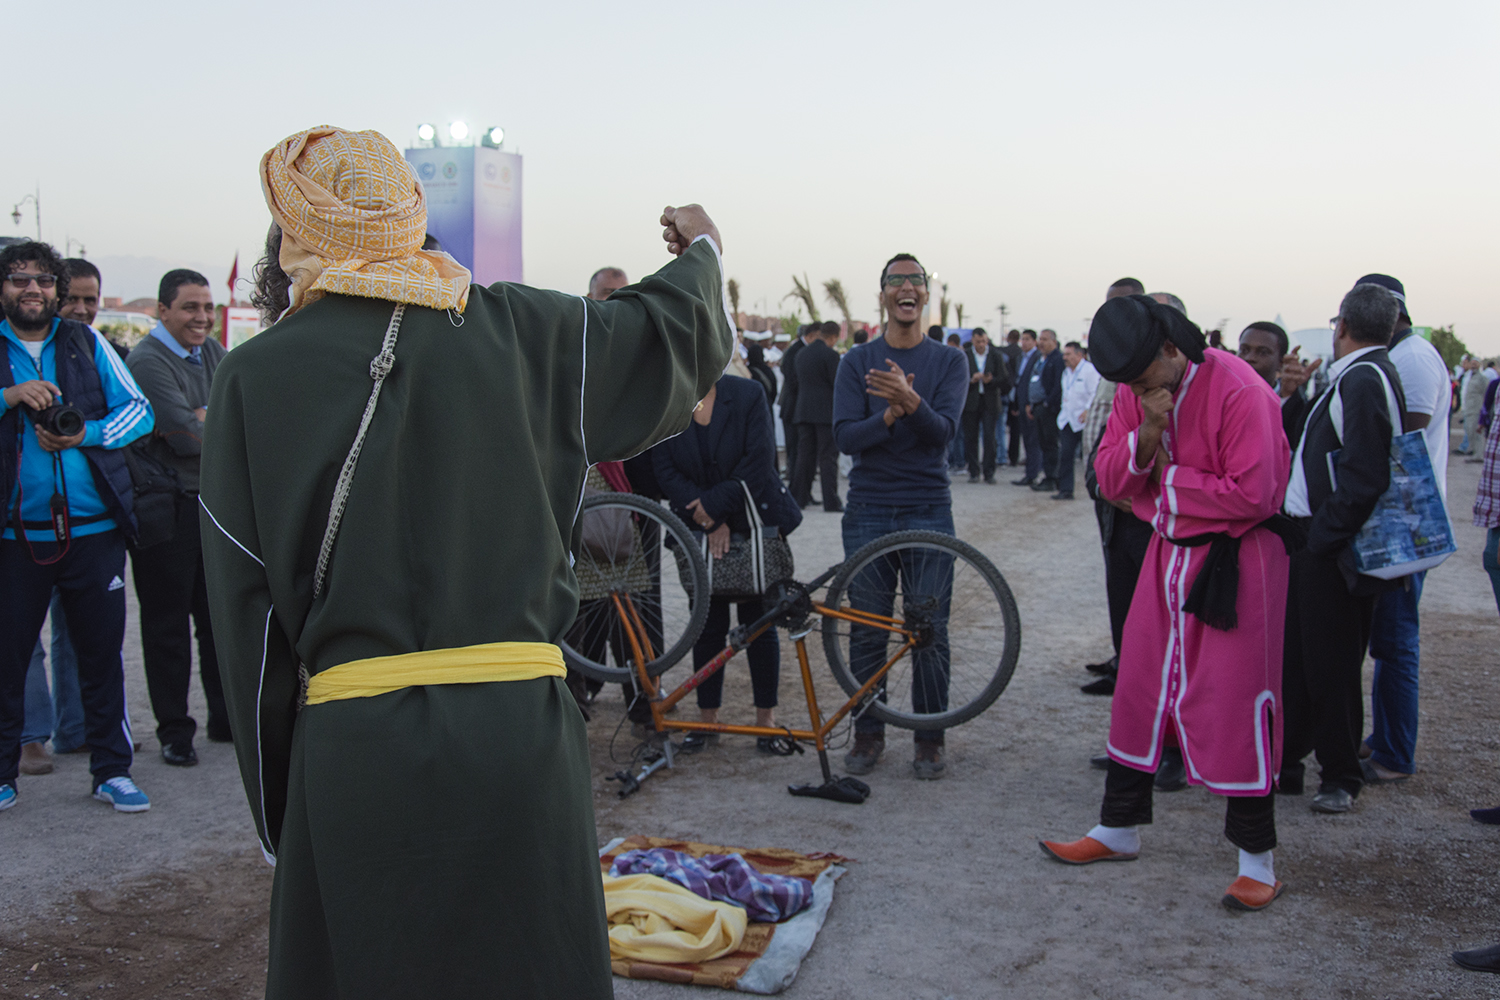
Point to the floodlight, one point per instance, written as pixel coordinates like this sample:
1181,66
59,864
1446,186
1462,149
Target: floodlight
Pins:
493,136
459,131
426,132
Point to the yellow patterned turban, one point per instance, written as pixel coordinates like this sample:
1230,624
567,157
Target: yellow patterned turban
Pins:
353,218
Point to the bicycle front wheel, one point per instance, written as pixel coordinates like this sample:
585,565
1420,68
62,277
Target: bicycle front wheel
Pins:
949,594
638,555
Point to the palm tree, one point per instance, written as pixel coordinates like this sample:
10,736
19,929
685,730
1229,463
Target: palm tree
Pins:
833,288
734,299
802,292
958,310
943,305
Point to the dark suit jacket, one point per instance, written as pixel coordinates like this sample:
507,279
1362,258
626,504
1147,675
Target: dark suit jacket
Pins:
741,446
1293,411
1052,373
817,367
789,378
995,366
1023,377
1364,463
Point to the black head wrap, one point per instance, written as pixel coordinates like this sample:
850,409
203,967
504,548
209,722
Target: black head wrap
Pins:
1128,331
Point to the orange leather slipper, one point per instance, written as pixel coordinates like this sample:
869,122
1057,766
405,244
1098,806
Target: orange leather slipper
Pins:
1082,852
1248,894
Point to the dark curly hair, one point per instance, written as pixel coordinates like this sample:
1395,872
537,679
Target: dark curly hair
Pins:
271,282
41,253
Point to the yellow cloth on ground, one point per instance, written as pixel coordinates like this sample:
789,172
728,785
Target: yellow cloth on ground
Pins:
353,217
654,920
481,664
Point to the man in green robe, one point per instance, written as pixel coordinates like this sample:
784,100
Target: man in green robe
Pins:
430,820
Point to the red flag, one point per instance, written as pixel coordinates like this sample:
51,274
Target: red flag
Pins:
234,275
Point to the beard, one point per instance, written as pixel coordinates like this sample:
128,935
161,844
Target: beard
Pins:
28,318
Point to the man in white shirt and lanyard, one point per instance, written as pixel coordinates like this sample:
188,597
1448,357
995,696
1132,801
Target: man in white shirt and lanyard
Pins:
1395,640
1079,381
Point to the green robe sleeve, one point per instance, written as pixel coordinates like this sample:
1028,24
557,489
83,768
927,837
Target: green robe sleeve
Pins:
653,350
256,660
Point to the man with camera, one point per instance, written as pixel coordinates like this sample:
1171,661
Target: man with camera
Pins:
68,406
175,366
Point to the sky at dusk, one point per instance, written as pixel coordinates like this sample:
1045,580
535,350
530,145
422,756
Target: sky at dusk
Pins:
1253,158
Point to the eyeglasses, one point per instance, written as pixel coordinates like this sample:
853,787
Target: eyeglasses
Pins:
22,280
1333,324
897,280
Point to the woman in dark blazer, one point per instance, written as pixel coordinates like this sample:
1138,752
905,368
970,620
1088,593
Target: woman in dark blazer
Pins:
729,441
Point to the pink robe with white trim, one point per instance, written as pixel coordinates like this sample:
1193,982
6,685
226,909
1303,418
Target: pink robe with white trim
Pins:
1222,690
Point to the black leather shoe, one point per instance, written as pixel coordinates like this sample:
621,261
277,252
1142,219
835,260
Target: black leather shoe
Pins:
1104,685
1479,959
1062,496
1489,817
973,477
1100,763
179,754
1171,775
1024,481
1108,668
1334,801
1045,485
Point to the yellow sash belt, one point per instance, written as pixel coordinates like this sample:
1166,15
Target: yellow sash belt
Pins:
481,664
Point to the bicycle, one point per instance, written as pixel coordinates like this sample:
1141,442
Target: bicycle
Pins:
940,600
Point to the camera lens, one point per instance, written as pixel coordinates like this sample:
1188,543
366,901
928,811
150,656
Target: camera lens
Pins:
67,421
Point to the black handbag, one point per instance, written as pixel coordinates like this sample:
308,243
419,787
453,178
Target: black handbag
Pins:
754,562
156,491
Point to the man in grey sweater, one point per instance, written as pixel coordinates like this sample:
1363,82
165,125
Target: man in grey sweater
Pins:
174,366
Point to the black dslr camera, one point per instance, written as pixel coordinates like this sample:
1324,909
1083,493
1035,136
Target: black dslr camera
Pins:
59,418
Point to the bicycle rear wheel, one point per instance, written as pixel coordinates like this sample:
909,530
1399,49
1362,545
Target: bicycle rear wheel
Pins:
948,591
640,551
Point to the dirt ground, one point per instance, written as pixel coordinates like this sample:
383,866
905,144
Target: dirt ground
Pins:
948,895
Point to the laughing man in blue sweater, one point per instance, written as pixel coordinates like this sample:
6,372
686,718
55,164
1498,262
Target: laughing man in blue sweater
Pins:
897,403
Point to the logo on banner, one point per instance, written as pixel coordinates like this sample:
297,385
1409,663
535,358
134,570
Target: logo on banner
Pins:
505,175
490,171
450,170
427,171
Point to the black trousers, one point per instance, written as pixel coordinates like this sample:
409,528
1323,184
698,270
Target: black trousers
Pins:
1327,633
170,586
1046,432
1123,558
764,653
816,449
979,429
790,430
90,585
1030,435
1249,821
1013,428
1067,455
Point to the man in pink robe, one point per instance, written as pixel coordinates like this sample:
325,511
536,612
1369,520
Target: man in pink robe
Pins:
1195,444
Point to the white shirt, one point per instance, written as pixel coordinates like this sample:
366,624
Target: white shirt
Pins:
979,359
1078,387
1296,503
1424,380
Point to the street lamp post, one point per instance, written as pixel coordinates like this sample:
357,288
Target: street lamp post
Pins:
36,204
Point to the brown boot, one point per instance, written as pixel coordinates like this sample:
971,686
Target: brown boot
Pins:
867,750
35,759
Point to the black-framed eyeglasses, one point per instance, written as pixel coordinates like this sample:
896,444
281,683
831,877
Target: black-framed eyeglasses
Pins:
1333,324
22,280
897,280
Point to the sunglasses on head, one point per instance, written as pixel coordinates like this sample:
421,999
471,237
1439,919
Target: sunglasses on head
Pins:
897,280
22,280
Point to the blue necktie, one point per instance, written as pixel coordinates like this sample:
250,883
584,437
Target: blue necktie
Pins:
195,356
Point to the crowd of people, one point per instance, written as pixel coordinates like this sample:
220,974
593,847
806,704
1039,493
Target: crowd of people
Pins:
1227,498
99,452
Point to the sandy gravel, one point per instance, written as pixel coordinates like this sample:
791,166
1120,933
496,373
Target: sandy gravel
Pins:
949,895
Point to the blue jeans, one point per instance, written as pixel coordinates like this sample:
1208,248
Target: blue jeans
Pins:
1492,562
874,590
1000,428
1396,646
58,714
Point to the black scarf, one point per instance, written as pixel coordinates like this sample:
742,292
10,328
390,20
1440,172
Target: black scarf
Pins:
1214,599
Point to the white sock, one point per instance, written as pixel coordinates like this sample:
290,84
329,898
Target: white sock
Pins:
1120,839
1258,867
